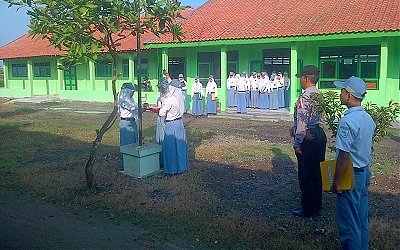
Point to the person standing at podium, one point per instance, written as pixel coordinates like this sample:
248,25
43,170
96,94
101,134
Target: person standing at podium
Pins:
128,113
174,146
353,143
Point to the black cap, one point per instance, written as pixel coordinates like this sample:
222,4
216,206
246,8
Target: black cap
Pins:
309,70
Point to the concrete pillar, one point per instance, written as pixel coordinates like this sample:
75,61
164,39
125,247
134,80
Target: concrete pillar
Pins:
6,74
383,81
131,68
224,72
92,74
60,77
294,81
164,59
29,67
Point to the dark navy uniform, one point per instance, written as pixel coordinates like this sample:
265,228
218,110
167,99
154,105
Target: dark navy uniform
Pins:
311,139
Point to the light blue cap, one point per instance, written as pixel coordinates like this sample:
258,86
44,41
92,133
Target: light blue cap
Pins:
354,85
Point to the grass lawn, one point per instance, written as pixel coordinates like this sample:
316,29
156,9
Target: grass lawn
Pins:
238,193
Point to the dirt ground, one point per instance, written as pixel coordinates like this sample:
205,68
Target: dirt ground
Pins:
254,190
31,223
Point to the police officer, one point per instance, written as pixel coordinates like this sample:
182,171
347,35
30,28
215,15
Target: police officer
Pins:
353,144
309,145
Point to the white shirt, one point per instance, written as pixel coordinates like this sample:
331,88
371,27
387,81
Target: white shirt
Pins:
230,82
279,82
241,86
197,87
211,87
255,84
127,108
173,105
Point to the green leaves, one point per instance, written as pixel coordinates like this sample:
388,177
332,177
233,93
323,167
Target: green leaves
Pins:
84,28
383,117
328,104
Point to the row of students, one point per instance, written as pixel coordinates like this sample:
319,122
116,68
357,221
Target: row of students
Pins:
258,91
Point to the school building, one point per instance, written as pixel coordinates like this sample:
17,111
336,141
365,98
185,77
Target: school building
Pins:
343,38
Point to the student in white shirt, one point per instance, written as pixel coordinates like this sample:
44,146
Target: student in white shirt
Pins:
174,147
241,94
197,97
128,112
231,86
212,95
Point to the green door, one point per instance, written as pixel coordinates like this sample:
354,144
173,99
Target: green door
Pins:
70,81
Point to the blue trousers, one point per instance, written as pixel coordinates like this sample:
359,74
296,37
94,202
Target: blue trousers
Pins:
352,212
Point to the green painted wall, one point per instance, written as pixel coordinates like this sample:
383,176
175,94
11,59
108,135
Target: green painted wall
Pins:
305,50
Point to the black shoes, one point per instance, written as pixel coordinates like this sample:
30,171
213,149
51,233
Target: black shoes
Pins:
299,212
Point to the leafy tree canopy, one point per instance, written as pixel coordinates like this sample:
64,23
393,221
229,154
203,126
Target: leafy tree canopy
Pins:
83,28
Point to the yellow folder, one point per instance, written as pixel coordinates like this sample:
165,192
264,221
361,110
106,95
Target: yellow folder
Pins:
328,172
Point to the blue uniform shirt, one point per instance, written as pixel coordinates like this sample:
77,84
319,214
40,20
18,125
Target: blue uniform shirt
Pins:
355,134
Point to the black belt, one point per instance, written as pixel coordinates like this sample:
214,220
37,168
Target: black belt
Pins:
242,91
358,170
128,118
174,119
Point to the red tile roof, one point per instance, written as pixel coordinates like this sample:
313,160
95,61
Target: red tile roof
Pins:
239,19
27,46
248,19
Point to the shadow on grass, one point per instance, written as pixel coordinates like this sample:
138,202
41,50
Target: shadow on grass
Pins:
17,111
251,205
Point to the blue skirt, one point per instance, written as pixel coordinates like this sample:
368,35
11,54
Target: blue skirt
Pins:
231,97
127,132
211,105
174,147
274,100
160,131
197,107
241,105
281,97
263,100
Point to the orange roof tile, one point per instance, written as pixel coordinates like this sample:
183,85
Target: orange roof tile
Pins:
238,19
26,46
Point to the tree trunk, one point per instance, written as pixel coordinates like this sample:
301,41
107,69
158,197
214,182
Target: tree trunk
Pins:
90,183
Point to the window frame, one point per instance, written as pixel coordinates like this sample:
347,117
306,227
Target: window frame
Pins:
357,53
19,66
103,68
42,69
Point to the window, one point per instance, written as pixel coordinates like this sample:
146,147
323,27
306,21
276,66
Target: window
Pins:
19,70
209,63
144,67
125,68
339,63
103,68
233,61
276,60
41,69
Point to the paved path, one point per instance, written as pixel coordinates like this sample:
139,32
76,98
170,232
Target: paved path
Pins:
29,223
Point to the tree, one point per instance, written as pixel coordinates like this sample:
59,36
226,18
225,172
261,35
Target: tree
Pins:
86,29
